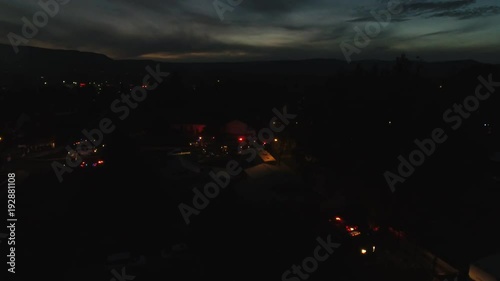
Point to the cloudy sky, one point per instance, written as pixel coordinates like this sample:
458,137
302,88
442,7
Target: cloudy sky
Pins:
191,30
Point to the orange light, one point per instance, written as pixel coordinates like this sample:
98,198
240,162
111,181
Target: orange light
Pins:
100,162
351,228
338,219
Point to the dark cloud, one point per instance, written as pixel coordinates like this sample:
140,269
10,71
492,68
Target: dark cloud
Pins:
371,18
459,9
255,29
470,13
431,6
275,6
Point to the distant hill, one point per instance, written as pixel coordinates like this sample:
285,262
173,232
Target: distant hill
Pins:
31,60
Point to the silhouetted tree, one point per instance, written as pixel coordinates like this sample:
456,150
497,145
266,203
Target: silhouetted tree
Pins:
420,65
403,65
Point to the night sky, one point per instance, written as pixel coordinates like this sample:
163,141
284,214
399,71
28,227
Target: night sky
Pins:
191,30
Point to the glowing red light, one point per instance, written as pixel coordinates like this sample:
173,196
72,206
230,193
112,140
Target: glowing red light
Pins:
240,139
82,85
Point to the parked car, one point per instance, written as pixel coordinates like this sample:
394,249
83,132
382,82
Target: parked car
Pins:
359,240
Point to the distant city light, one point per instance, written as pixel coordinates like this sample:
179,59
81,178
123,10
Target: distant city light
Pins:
355,233
45,83
183,153
1,138
390,122
275,140
240,139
